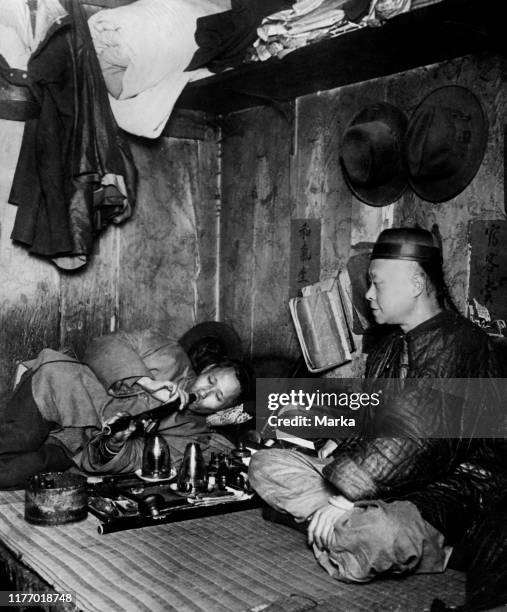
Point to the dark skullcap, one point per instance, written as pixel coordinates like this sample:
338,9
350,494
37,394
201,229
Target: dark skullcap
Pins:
409,243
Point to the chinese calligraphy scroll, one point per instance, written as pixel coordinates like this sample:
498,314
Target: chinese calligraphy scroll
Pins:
304,254
488,266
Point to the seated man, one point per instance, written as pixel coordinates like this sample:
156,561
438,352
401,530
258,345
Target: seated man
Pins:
377,505
55,416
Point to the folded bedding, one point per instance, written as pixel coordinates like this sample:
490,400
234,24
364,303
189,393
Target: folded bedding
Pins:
143,50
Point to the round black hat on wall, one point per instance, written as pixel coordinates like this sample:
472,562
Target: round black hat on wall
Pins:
446,141
372,154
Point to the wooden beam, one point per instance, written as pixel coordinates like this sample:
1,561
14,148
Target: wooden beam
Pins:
195,125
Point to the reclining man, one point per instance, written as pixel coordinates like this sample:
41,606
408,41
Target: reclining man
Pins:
377,505
55,416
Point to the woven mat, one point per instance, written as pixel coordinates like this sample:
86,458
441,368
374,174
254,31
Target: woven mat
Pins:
232,562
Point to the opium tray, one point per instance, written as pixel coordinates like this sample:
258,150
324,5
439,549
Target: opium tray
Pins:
122,503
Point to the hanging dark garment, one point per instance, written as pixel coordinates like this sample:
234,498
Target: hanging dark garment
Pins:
75,172
224,38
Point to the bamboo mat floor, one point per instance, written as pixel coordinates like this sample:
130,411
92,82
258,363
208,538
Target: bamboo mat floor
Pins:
229,563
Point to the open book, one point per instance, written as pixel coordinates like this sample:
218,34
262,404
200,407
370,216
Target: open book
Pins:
323,321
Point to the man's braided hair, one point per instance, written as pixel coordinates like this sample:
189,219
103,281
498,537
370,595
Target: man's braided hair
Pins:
435,272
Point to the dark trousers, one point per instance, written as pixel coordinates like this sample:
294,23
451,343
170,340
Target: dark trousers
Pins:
24,449
483,553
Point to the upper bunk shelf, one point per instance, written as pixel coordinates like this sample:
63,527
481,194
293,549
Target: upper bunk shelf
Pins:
435,33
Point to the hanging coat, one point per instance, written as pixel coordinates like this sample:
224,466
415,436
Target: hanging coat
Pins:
75,172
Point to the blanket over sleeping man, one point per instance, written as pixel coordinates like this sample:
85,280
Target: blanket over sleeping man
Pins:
55,416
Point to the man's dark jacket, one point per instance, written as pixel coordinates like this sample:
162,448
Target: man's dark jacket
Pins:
73,156
453,479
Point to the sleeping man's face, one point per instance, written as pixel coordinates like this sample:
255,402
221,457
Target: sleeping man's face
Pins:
216,388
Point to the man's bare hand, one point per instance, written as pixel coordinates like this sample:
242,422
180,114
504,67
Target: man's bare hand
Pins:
164,390
321,527
118,439
184,397
327,449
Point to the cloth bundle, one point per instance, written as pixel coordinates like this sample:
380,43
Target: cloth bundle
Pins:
224,39
307,21
312,20
143,50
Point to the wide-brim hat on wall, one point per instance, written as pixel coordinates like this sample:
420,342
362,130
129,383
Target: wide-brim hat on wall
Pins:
223,337
446,141
371,154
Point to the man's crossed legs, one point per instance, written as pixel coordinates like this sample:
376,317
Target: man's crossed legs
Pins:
370,537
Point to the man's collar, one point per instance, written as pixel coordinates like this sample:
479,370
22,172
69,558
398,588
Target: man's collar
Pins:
433,323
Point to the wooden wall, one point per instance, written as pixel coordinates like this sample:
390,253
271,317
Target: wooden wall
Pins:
278,163
283,165
29,288
158,268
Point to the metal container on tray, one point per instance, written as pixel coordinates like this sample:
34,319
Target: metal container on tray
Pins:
56,498
156,458
192,472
